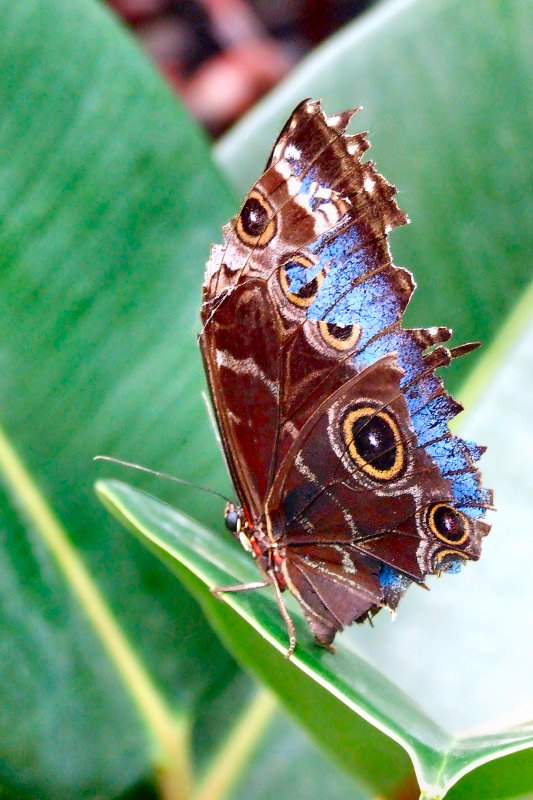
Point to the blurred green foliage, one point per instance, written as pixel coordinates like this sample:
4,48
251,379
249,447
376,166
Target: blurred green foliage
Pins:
113,682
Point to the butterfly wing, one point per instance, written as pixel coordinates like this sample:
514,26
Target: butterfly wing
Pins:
262,283
334,423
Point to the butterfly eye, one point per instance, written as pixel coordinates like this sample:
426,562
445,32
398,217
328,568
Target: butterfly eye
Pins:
307,293
341,337
448,561
374,442
256,224
232,519
449,524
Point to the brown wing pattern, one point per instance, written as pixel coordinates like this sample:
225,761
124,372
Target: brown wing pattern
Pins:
321,436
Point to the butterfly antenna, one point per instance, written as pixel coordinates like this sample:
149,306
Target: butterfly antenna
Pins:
164,475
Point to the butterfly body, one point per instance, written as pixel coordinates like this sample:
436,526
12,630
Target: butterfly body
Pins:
334,425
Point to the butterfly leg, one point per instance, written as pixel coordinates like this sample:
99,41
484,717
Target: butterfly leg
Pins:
286,617
244,587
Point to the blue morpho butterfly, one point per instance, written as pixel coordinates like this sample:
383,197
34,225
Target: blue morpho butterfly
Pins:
334,425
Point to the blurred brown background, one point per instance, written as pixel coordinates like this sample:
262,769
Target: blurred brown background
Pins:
221,56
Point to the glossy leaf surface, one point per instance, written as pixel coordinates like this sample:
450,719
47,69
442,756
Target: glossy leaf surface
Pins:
435,627
108,203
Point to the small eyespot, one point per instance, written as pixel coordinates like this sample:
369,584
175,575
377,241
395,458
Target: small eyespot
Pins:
341,337
448,561
256,224
448,524
374,442
307,293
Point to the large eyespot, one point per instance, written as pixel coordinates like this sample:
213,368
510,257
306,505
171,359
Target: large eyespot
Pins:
256,224
341,337
448,524
374,442
307,293
448,561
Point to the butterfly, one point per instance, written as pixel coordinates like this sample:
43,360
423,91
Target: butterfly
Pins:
333,423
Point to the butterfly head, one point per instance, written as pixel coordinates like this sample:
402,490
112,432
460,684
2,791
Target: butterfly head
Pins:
237,524
233,518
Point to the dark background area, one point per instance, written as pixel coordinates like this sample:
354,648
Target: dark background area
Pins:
221,56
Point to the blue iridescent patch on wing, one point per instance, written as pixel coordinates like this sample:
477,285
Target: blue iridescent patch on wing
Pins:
348,297
454,566
393,584
388,577
299,276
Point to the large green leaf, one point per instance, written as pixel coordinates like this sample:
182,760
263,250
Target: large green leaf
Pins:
112,681
472,216
457,681
445,88
108,202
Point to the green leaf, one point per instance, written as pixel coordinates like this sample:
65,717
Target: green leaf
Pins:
102,246
286,763
113,683
457,679
453,158
112,679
